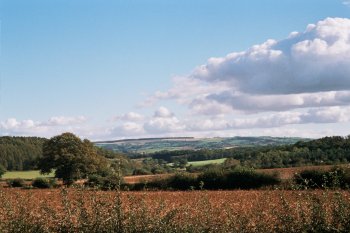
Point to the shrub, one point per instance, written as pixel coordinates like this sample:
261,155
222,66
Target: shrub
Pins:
110,182
182,181
236,179
43,183
94,181
249,179
158,170
337,177
16,183
213,179
141,172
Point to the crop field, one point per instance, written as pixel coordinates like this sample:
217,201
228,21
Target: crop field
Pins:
75,210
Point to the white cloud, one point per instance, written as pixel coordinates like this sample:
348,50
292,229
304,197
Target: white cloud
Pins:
346,3
13,124
312,61
127,129
184,90
263,103
130,116
48,128
163,112
307,69
159,125
63,120
272,120
163,121
206,106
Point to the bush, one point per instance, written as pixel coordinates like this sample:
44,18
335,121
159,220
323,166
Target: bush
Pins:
182,181
141,172
94,181
110,182
213,179
43,183
16,183
337,177
236,179
249,179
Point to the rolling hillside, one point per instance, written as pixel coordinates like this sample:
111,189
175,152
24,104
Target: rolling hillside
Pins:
150,145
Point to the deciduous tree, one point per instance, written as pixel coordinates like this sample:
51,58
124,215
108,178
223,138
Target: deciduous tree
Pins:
71,158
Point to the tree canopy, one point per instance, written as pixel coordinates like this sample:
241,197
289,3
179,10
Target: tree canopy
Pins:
20,153
71,158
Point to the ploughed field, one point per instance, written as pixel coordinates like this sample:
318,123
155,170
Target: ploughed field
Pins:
81,210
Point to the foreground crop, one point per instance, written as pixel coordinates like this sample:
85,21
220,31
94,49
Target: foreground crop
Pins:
74,210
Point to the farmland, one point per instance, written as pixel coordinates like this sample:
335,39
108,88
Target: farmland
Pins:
27,175
206,162
76,210
283,173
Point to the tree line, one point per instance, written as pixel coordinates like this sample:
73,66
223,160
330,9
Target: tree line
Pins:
327,150
20,153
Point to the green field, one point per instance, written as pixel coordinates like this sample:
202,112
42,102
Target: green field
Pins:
206,162
27,175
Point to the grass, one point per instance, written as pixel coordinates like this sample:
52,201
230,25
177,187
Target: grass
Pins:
202,162
27,175
206,162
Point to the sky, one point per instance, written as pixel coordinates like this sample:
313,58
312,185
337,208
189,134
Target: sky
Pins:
117,69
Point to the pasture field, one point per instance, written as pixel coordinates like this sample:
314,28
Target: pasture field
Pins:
206,162
26,175
79,210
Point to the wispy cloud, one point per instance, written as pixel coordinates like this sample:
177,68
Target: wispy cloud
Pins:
346,3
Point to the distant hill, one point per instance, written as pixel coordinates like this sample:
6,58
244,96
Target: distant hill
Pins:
150,145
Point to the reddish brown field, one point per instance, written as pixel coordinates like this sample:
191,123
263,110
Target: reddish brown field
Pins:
288,173
144,178
258,211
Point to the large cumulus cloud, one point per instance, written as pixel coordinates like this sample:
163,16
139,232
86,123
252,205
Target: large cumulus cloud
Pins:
306,69
312,61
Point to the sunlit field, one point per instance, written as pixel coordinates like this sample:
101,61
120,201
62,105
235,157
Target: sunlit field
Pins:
27,175
75,210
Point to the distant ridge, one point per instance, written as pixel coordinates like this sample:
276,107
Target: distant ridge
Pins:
150,145
142,139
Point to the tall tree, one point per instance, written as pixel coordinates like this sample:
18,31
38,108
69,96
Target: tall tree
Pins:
71,158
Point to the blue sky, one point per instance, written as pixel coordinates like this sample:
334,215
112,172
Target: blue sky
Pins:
109,69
